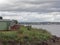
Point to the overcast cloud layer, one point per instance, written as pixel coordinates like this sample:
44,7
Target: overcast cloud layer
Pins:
30,10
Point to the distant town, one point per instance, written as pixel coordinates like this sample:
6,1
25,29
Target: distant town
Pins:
41,23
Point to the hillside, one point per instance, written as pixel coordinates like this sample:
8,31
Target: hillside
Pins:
25,35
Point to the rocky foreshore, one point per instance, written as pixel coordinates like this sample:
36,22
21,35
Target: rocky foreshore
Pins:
53,41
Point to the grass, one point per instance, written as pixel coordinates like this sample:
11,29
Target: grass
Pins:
36,34
23,34
10,35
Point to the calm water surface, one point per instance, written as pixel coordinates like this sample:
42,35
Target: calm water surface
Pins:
53,29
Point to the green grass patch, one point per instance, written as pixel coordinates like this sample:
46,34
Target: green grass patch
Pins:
36,34
8,35
24,34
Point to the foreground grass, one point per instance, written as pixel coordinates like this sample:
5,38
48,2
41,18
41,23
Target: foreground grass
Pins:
10,35
34,34
24,34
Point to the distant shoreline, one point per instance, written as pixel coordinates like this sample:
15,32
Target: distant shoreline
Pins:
41,23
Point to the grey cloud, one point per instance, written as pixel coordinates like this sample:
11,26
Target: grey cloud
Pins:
32,6
31,17
32,9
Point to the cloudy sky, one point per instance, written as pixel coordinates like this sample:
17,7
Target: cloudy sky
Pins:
30,10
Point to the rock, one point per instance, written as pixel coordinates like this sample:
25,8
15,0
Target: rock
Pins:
44,43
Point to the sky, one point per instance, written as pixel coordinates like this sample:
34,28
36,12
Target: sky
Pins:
30,10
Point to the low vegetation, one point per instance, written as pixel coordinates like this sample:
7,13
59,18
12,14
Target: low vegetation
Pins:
10,35
23,34
36,34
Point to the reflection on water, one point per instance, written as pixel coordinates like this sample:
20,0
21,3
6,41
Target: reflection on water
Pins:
54,29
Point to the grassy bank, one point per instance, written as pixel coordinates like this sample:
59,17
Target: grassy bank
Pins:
23,34
36,34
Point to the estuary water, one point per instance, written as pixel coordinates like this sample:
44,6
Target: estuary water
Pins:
53,29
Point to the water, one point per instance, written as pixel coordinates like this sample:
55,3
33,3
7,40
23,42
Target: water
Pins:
53,29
